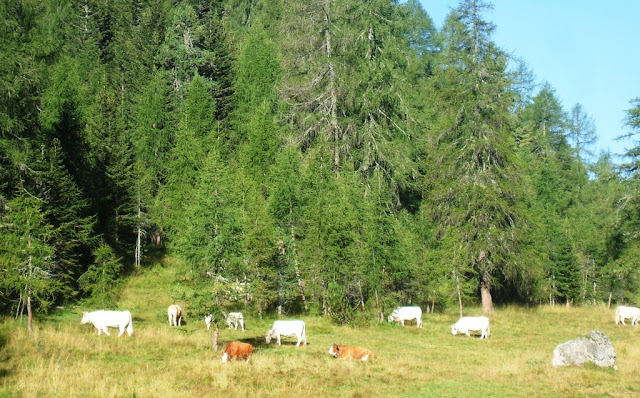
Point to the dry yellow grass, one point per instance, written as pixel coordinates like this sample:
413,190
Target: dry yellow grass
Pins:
65,358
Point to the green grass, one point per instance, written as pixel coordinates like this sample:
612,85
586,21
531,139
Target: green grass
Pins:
64,358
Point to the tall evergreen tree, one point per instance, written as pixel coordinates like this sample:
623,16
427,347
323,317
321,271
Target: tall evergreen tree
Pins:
26,256
475,190
582,131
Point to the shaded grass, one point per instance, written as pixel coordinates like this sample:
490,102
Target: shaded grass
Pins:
65,358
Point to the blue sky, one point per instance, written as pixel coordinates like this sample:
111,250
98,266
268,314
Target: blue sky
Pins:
588,50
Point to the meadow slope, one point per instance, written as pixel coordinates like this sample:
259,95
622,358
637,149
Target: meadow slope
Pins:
64,358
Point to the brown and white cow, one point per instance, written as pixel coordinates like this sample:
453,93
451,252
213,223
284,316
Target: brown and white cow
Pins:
237,350
348,352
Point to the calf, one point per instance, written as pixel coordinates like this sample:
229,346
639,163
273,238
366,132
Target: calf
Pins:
236,350
235,319
175,313
348,352
402,314
472,323
287,329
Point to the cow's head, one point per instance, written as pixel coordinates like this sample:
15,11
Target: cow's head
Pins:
334,350
268,337
85,318
454,330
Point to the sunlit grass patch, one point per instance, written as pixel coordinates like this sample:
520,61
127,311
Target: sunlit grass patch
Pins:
64,358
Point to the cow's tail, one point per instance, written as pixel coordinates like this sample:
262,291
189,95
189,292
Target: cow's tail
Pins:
130,325
617,315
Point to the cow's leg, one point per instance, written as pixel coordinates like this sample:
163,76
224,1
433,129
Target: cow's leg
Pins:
242,325
121,331
299,340
106,331
622,320
279,340
402,322
467,333
99,331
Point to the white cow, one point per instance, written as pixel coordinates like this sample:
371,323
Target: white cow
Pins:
623,313
174,312
104,319
287,329
235,319
402,314
468,324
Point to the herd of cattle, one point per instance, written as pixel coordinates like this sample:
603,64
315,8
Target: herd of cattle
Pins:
297,329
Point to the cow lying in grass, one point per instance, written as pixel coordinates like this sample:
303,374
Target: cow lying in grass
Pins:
236,350
348,352
623,313
472,324
105,319
174,312
287,329
402,314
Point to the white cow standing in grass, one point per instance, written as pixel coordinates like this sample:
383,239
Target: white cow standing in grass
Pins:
175,313
468,324
234,319
104,319
402,314
287,329
623,313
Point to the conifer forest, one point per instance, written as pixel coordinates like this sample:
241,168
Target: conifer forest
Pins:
326,157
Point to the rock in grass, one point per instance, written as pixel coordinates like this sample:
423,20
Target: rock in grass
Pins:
596,349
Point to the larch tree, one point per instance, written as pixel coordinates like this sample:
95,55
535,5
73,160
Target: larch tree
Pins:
26,256
581,131
475,194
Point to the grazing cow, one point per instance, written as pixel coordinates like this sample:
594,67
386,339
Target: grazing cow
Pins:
468,324
175,315
348,352
104,319
287,329
402,314
237,350
623,313
235,319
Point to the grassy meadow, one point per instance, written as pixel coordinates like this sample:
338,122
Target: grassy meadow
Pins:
64,358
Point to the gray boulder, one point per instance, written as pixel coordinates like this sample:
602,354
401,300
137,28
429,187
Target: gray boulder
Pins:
596,349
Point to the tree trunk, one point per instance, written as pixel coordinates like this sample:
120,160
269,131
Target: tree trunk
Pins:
296,266
378,309
29,315
361,295
485,293
138,249
455,277
214,339
333,115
